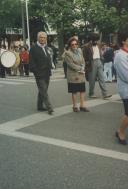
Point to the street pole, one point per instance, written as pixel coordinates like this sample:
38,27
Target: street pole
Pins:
23,22
26,3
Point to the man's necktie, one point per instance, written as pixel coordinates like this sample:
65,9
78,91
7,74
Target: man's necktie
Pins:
44,50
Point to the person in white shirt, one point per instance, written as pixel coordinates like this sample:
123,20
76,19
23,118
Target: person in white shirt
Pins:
91,53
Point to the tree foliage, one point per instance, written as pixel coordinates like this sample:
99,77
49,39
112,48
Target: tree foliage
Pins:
83,15
10,14
67,17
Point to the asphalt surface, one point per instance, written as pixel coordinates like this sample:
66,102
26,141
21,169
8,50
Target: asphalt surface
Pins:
66,150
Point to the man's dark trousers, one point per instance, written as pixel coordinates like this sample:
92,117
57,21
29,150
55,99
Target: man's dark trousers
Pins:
43,98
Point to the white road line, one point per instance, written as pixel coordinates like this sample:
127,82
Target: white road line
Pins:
10,129
29,80
39,117
69,145
11,83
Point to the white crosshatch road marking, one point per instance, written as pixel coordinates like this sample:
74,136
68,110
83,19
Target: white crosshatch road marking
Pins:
69,145
37,117
11,129
10,82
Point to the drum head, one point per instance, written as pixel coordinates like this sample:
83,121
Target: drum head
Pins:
8,59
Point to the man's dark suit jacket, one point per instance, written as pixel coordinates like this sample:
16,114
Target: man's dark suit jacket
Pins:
40,63
88,56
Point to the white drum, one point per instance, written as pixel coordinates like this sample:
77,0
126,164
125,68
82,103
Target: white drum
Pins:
8,59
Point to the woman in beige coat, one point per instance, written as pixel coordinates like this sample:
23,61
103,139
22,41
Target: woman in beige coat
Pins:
76,74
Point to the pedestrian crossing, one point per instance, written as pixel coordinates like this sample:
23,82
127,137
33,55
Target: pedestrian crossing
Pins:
12,129
37,117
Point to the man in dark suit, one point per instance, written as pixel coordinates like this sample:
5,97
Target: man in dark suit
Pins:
40,65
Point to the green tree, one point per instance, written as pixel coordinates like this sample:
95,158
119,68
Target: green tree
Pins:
10,16
67,17
60,16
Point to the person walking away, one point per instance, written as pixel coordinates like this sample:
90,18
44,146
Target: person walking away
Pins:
114,75
64,62
41,65
55,54
108,61
75,74
121,66
91,53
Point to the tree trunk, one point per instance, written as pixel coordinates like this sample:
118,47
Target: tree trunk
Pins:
60,39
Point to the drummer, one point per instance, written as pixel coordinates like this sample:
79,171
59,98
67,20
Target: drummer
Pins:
2,68
16,65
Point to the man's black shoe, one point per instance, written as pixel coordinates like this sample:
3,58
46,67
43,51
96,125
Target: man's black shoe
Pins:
42,109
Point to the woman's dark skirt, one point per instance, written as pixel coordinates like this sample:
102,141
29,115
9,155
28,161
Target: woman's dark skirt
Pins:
125,102
76,87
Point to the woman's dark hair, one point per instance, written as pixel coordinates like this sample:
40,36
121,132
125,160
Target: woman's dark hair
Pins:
122,36
70,41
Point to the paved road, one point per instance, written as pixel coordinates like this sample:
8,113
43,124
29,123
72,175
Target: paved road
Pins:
67,150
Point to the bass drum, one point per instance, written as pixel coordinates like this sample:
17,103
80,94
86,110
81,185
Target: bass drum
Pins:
8,59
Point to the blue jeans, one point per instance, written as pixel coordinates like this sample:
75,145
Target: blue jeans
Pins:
108,71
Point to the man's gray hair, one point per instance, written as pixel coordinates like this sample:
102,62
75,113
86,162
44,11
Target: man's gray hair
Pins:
41,33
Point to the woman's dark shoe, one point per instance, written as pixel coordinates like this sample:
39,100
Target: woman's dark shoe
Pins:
75,109
121,141
83,109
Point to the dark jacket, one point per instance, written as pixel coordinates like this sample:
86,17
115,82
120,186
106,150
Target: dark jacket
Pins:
108,55
40,63
87,53
88,56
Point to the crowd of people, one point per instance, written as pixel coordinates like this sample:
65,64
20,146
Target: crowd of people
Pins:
21,66
92,62
101,63
107,54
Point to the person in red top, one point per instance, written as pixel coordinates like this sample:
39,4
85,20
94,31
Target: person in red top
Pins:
24,62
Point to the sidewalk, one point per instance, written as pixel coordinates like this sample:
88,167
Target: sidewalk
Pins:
56,74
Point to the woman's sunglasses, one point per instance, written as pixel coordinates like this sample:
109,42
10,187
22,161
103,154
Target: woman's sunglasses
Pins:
74,44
